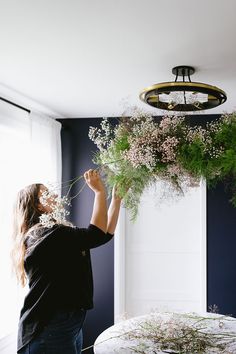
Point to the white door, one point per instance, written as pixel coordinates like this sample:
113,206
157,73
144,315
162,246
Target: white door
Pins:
160,260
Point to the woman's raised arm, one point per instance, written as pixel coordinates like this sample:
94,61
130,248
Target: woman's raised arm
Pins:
99,214
113,212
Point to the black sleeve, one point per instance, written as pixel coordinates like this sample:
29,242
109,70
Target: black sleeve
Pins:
83,238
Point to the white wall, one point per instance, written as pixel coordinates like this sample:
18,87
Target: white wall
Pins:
8,344
160,260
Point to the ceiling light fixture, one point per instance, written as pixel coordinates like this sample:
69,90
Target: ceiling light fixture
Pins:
183,95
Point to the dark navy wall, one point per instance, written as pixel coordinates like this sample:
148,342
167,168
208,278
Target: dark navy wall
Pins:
221,243
77,154
221,251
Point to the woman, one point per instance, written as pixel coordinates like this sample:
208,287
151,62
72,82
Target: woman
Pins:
57,263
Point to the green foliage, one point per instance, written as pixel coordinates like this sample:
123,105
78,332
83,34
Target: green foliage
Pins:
192,158
139,151
122,143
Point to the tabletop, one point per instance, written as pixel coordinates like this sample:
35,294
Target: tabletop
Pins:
137,334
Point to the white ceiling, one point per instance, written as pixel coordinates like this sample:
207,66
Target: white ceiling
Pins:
92,58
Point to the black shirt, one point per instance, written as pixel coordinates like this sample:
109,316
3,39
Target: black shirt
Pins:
58,268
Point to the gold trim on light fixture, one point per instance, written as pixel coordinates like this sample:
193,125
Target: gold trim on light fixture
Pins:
151,94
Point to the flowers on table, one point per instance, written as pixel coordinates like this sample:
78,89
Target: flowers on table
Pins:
182,333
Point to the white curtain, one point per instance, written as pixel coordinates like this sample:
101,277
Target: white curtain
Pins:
46,149
30,152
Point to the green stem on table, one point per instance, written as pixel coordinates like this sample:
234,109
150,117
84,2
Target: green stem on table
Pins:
91,346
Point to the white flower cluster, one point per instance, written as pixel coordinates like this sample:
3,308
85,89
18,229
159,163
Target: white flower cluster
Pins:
168,148
228,118
205,136
170,123
101,136
56,208
150,142
142,127
141,154
215,126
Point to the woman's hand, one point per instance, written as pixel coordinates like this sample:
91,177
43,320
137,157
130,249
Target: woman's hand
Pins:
113,211
94,181
114,194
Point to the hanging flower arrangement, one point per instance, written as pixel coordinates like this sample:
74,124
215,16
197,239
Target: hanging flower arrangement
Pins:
139,151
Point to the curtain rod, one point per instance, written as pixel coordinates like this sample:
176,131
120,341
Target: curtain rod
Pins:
14,104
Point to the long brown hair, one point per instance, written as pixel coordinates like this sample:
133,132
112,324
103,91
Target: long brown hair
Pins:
26,216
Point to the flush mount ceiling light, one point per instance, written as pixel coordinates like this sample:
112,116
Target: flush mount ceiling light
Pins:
183,95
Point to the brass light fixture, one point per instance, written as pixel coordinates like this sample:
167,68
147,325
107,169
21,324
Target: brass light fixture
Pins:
183,95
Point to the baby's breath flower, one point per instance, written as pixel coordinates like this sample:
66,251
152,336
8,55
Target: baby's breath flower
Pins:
101,136
57,205
47,220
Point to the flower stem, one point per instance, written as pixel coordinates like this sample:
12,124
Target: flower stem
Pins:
79,191
76,180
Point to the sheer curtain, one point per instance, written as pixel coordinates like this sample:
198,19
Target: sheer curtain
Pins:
30,152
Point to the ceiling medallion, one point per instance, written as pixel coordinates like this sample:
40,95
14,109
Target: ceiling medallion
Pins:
183,95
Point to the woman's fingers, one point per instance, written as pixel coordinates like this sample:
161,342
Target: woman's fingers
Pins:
91,175
93,180
88,172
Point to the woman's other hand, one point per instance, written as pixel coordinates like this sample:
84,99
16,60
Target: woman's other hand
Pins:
115,195
94,181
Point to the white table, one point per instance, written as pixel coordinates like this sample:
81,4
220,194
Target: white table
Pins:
110,342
